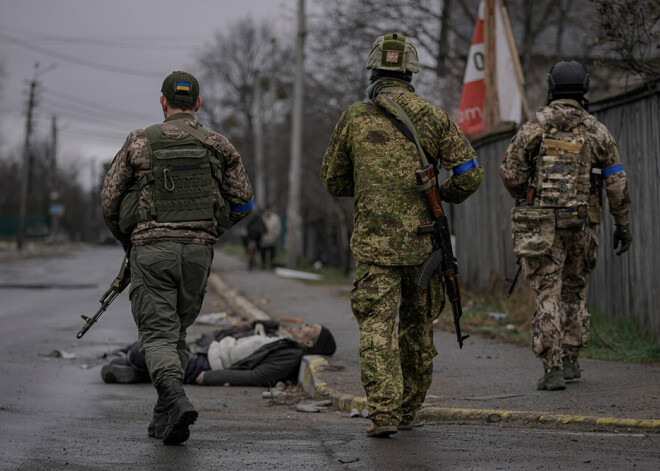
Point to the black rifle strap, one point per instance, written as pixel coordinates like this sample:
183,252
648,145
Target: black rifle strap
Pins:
403,128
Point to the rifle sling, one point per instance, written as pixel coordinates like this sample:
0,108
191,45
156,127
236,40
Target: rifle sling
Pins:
402,122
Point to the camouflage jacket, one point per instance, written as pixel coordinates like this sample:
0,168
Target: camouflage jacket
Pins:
370,159
134,160
564,114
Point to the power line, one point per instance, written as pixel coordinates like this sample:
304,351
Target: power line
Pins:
76,60
124,41
95,105
115,138
62,106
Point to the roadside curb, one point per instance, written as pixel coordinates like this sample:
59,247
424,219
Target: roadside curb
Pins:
236,301
310,376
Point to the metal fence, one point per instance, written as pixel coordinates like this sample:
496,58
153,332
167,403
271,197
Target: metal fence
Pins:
620,286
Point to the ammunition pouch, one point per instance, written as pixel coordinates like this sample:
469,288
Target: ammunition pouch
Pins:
129,209
571,218
533,230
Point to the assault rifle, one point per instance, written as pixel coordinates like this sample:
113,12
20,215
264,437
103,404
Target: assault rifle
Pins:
116,287
442,256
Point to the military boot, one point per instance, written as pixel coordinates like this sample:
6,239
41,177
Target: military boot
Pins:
181,412
572,369
552,380
159,421
381,431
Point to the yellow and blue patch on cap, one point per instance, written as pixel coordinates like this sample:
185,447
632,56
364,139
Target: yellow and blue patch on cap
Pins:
182,87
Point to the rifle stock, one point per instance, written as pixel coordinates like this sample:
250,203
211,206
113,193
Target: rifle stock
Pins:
118,285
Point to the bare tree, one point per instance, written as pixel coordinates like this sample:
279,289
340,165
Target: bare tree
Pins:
630,31
229,68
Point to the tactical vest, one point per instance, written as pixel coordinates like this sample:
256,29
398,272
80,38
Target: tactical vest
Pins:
562,176
181,177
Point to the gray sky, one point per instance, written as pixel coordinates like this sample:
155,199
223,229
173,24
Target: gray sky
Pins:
112,56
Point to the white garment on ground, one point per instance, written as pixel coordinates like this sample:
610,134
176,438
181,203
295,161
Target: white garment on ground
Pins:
273,230
228,351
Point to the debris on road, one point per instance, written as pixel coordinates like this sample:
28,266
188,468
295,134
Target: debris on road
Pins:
59,354
297,274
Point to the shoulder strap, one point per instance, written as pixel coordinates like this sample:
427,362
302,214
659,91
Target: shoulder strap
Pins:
208,141
201,136
402,122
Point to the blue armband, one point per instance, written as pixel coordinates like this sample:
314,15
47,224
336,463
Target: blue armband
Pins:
465,167
612,170
242,208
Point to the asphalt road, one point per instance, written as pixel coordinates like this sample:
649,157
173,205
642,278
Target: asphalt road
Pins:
57,414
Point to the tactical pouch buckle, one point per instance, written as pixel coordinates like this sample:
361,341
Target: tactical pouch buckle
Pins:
571,218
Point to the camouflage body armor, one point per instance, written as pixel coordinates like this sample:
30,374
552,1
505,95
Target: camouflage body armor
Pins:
558,194
181,178
562,176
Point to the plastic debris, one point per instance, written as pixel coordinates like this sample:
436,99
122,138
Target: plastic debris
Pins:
297,274
59,354
498,317
316,406
213,318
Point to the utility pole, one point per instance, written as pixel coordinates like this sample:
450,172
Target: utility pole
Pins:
25,170
53,143
259,170
270,128
293,218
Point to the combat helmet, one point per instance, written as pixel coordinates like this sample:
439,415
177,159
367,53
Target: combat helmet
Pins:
395,53
567,79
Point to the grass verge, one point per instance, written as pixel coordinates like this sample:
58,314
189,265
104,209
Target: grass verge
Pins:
490,314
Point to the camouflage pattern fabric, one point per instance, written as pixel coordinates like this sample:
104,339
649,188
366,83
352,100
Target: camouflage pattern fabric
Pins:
134,160
559,279
564,114
369,159
396,365
559,273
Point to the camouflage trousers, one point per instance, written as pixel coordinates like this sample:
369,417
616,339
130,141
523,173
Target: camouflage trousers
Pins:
396,363
168,284
559,279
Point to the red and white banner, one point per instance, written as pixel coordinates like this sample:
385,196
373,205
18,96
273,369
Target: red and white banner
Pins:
472,108
471,115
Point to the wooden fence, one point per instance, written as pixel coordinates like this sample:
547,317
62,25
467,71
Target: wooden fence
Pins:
626,285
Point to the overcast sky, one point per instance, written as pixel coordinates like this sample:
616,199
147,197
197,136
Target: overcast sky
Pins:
110,55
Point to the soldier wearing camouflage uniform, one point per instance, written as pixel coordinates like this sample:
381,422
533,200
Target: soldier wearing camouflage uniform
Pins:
170,192
369,159
557,210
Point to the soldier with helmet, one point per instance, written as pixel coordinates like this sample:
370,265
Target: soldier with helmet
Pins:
369,159
555,167
170,192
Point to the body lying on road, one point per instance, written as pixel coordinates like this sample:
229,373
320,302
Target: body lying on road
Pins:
257,354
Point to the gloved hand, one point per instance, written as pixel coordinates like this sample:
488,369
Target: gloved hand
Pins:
622,236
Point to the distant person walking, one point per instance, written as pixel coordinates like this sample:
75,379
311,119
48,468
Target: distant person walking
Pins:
170,192
270,238
254,230
371,160
555,167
